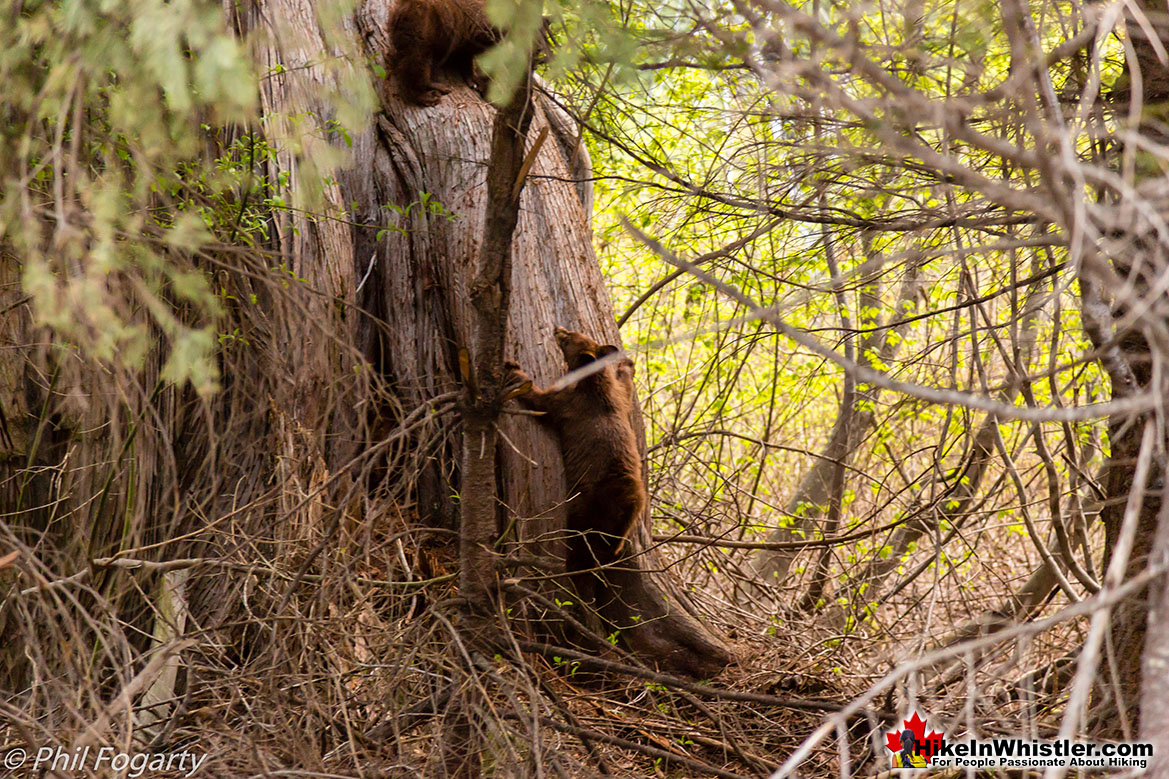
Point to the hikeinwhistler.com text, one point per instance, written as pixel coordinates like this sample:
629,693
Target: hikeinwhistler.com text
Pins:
1032,753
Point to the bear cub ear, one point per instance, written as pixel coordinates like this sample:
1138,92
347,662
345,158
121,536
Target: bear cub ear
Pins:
606,350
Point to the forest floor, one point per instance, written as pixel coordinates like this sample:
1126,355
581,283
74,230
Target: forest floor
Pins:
373,681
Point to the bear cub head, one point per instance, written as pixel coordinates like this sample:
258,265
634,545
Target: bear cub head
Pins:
579,350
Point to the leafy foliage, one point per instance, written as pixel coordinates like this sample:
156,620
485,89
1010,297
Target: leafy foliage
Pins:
107,106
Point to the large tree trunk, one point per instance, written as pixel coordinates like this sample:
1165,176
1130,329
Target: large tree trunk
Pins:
421,284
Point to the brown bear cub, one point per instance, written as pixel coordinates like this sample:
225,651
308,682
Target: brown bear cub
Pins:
432,34
602,465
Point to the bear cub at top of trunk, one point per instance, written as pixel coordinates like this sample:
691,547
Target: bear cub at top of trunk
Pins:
430,34
602,464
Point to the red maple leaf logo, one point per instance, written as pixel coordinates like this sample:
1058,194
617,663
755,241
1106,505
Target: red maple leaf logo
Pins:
926,744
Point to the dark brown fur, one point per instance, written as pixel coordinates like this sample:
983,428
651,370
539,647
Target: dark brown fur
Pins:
602,465
427,35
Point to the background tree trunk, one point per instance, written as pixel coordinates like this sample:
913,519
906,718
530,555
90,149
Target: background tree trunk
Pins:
810,500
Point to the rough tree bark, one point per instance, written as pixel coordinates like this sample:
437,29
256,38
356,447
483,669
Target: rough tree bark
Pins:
479,410
164,461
